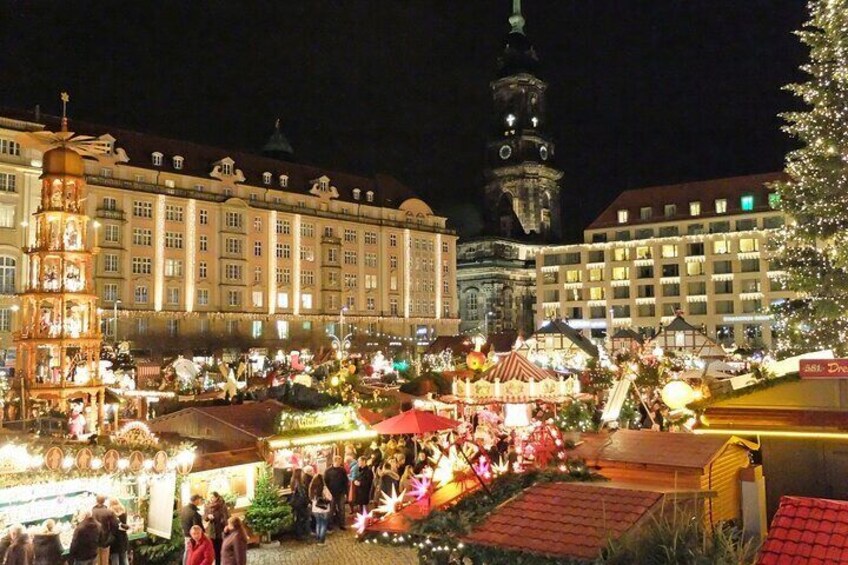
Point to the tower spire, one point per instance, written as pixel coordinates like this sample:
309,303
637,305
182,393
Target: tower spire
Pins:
516,20
65,99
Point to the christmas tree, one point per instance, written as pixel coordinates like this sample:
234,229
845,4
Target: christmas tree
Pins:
812,249
268,514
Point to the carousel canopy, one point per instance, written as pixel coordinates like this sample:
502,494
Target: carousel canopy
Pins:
415,422
515,367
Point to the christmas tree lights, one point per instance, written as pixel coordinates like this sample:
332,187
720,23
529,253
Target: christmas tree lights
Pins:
812,248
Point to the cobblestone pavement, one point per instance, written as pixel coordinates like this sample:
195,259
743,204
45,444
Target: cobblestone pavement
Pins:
341,549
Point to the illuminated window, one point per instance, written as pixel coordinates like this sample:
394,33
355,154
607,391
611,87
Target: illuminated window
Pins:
283,299
645,212
721,206
596,293
749,245
695,208
669,251
369,196
306,300
721,247
256,300
623,216
747,202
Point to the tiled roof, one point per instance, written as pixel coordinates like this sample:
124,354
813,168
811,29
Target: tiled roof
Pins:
255,418
576,337
682,194
198,160
808,531
564,520
664,449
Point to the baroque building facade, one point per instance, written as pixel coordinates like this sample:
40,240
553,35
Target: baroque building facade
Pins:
200,246
496,273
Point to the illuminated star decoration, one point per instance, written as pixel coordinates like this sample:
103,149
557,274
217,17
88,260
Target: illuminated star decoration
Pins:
443,472
361,522
420,487
483,467
390,502
500,468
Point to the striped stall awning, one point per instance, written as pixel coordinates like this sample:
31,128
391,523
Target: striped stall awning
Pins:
515,367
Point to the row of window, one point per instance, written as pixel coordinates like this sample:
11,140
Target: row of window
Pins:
746,204
647,290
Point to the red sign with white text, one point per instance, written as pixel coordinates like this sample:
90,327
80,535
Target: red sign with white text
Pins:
824,368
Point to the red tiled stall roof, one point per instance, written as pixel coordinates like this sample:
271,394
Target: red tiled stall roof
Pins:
682,194
680,450
565,519
808,531
198,161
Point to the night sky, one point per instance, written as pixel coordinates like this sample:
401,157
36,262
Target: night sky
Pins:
642,92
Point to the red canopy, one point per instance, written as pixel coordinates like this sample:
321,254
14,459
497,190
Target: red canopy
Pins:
414,422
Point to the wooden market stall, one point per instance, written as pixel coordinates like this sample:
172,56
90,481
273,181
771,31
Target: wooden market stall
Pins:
681,337
672,460
559,345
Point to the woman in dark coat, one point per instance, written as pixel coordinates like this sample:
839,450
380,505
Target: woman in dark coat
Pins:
46,545
217,514
234,548
388,479
363,485
299,502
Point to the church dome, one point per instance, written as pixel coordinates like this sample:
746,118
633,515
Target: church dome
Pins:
278,145
63,161
519,56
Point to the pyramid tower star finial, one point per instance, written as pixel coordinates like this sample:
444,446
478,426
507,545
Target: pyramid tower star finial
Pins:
63,96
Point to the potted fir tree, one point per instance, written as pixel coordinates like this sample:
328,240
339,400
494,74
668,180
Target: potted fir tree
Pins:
268,513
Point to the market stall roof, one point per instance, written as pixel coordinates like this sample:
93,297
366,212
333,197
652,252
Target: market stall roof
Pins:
807,530
659,449
415,422
628,333
462,344
515,367
681,336
223,459
586,517
560,327
781,407
235,423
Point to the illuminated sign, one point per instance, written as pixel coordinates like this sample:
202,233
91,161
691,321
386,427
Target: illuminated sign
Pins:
748,318
823,368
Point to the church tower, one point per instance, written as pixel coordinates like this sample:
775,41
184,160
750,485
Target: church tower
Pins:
522,190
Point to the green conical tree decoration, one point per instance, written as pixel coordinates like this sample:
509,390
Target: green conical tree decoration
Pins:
268,514
812,249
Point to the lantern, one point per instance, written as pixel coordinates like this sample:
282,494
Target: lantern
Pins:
677,394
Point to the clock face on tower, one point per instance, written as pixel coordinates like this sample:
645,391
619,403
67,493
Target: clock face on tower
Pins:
505,151
543,152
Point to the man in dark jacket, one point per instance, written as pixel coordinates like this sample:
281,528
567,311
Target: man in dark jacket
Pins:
363,485
108,528
189,517
86,542
337,483
20,550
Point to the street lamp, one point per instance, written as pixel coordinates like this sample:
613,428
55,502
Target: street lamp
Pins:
115,318
341,341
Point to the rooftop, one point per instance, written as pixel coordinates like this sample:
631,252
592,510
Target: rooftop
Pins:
678,450
256,419
586,516
680,195
809,531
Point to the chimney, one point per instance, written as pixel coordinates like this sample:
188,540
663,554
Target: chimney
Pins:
38,112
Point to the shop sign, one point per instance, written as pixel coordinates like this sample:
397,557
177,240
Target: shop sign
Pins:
823,368
53,458
160,461
84,457
136,461
110,460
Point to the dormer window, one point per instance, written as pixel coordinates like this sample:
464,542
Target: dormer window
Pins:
266,178
226,168
369,196
535,121
356,193
157,159
284,181
510,120
324,183
178,162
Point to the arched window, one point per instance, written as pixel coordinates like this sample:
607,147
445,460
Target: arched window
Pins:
7,275
266,178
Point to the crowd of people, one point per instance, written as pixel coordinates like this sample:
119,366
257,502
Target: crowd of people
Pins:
212,537
100,538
